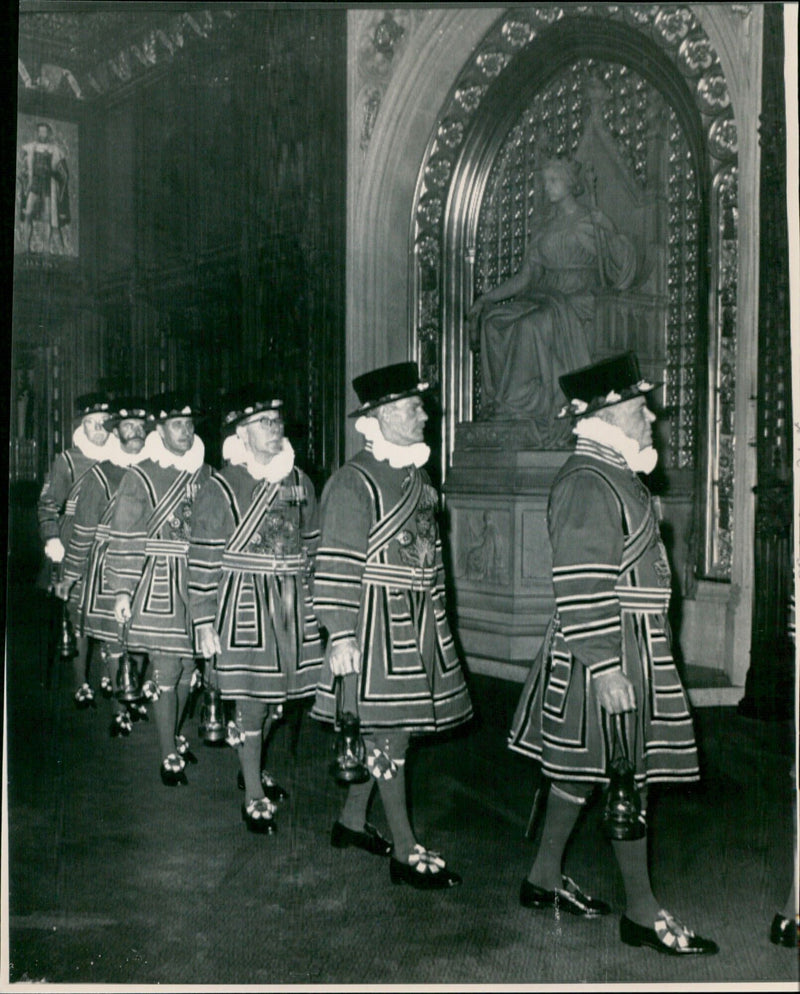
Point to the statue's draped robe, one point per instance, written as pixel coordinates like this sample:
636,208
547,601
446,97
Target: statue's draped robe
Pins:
527,342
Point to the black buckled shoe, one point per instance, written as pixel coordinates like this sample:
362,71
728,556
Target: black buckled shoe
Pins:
370,840
425,870
172,773
785,932
272,789
257,815
667,936
567,898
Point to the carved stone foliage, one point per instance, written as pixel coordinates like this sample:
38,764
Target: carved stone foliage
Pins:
722,356
382,37
649,138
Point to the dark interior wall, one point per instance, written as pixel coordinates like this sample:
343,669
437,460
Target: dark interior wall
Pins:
212,246
223,256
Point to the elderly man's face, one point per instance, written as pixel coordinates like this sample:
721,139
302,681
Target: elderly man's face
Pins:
403,421
131,432
635,418
177,435
263,434
94,427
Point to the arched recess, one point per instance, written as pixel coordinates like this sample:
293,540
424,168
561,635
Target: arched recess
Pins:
525,50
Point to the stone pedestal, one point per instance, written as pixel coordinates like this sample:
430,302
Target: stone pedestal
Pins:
500,561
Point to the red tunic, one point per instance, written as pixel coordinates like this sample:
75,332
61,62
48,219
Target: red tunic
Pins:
60,492
379,577
147,554
612,586
251,555
88,545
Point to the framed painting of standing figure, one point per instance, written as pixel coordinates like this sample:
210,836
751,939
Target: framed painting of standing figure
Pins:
47,192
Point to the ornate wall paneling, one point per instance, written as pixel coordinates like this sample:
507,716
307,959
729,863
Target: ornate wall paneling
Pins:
236,165
386,184
56,328
58,323
88,55
69,66
669,114
771,679
218,193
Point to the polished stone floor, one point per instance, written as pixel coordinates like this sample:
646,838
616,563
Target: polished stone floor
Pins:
115,879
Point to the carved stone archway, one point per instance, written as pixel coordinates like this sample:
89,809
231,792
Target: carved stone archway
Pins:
668,49
383,189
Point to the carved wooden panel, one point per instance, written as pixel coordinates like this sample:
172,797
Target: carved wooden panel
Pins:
234,269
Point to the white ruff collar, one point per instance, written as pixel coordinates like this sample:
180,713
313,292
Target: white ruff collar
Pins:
93,451
597,430
236,451
398,456
189,462
123,458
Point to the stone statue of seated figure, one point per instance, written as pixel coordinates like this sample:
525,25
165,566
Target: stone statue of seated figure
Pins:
539,324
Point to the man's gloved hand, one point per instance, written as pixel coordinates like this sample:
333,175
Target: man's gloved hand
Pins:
208,641
54,550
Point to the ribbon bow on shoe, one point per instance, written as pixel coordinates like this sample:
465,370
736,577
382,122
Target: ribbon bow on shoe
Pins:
84,697
183,750
425,870
172,770
121,724
785,932
257,815
668,936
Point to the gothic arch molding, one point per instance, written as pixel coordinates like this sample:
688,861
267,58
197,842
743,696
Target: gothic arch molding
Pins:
383,190
524,49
